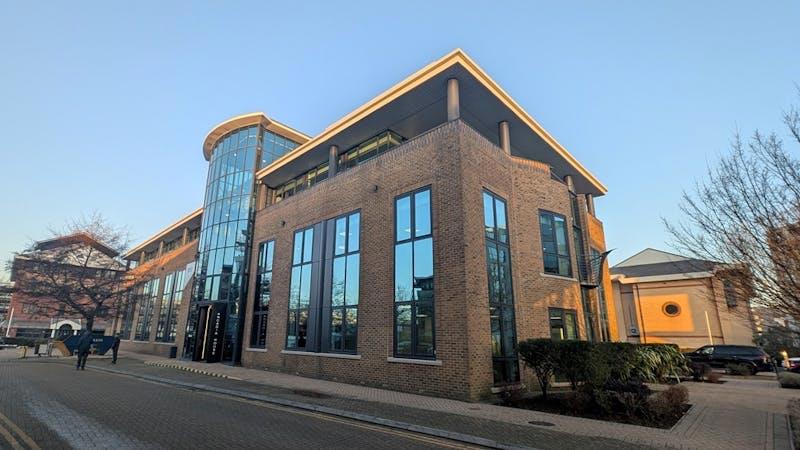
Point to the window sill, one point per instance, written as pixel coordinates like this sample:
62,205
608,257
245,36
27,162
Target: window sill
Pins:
257,350
320,355
508,387
558,277
422,362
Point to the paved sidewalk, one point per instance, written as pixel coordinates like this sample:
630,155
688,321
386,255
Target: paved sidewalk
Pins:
742,413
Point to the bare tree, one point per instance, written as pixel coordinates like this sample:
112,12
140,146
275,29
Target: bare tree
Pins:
746,213
79,272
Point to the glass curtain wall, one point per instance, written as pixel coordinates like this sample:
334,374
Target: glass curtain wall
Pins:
222,265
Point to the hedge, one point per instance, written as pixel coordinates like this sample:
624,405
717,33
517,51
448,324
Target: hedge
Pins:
601,364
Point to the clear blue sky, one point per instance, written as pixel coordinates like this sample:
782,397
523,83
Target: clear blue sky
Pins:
104,105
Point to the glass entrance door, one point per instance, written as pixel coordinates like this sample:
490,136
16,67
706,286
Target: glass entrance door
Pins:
210,328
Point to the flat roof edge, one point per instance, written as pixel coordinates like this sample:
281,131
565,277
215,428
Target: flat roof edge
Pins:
456,56
163,232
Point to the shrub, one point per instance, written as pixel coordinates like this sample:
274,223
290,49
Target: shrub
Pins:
700,371
714,377
789,380
668,404
538,354
740,369
573,360
658,362
615,366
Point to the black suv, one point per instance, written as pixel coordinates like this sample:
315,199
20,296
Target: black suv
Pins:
720,356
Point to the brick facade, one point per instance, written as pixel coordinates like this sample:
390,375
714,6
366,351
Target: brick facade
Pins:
458,164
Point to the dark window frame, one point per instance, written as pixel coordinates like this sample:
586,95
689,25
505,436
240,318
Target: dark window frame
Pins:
563,312
298,310
414,304
146,309
329,287
508,357
558,256
258,323
165,331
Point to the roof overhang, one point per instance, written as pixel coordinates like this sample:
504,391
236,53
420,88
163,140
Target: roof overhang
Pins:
657,278
246,120
418,104
168,233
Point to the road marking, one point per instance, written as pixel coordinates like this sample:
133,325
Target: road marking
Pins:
10,438
25,438
401,433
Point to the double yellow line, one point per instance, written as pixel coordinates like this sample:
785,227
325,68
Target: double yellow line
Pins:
8,435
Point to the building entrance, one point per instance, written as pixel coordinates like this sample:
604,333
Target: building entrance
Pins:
210,328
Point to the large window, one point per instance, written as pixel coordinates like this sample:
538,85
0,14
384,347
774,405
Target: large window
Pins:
146,306
501,296
300,289
258,331
130,307
170,305
563,324
555,248
413,277
344,284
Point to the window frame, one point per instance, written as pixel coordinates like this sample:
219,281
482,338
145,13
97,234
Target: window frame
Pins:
149,305
413,303
258,313
509,304
564,312
302,232
167,300
328,345
558,256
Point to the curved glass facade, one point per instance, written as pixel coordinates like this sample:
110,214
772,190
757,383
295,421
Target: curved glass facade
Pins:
214,326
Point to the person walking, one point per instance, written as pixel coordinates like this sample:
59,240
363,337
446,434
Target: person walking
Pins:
84,346
115,349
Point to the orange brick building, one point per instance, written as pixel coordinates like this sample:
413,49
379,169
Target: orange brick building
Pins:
409,245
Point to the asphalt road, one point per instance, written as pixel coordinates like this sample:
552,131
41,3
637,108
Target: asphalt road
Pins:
49,405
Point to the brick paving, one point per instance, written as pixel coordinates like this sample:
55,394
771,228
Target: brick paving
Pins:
741,413
59,407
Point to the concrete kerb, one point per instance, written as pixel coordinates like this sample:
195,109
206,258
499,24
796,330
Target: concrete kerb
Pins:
455,436
190,369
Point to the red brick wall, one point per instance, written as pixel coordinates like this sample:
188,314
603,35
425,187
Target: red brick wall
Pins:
458,164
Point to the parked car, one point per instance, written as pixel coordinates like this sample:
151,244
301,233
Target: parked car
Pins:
720,356
793,365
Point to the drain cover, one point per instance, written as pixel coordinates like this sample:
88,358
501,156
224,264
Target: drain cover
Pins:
541,423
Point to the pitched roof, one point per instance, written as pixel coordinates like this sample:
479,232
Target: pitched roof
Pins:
651,262
75,238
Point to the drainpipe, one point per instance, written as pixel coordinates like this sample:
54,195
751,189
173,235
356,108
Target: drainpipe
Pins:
641,316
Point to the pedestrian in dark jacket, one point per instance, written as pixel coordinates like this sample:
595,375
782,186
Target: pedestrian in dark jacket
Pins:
115,349
84,346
